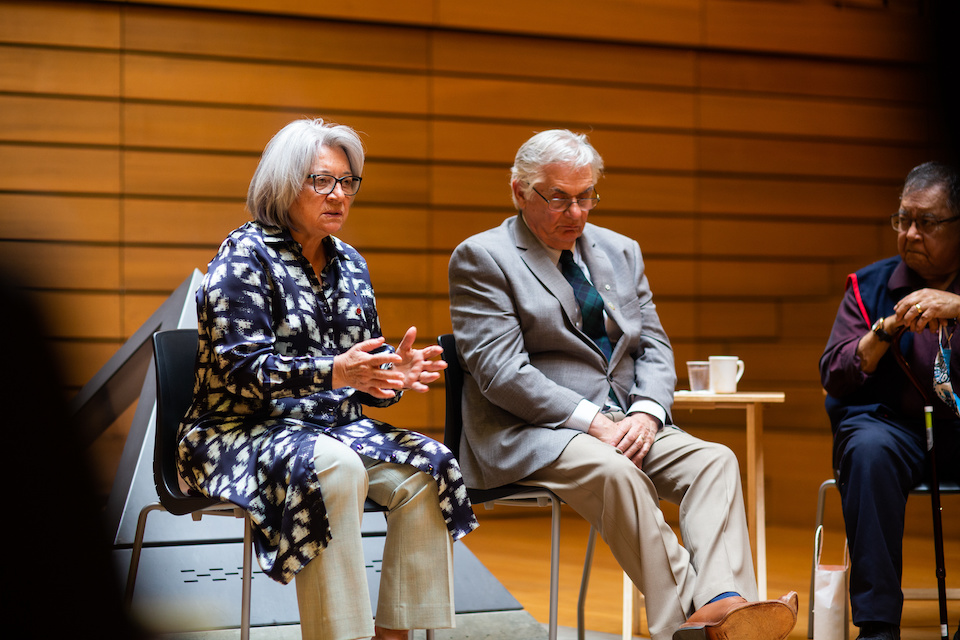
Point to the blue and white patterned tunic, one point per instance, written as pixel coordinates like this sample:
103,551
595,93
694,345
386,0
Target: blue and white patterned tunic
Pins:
269,330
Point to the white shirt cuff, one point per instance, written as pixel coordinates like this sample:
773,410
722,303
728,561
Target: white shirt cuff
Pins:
650,407
582,416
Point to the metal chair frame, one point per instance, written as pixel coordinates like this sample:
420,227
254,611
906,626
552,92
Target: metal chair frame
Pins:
512,494
908,594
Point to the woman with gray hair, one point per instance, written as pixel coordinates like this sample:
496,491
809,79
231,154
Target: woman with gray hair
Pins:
290,349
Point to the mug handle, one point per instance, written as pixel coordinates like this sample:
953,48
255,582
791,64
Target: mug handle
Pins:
739,370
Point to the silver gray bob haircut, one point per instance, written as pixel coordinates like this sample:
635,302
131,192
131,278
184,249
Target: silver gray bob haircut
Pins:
286,162
556,146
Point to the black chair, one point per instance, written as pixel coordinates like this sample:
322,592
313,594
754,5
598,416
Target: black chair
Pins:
511,494
174,353
908,594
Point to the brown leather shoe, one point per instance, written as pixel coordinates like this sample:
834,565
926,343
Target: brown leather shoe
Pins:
736,619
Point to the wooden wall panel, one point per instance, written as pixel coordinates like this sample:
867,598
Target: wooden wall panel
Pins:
227,129
161,268
824,199
678,317
758,25
678,276
47,169
811,27
784,239
153,77
399,313
813,118
60,72
59,218
65,24
816,159
412,11
635,193
652,21
547,101
840,79
83,121
275,38
763,278
76,315
80,361
754,150
397,227
587,64
64,266
172,222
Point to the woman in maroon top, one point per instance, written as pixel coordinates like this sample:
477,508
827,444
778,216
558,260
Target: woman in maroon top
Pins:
875,411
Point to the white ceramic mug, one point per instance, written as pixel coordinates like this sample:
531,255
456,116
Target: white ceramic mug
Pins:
698,372
725,373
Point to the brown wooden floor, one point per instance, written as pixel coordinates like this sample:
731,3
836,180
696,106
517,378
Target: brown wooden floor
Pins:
514,543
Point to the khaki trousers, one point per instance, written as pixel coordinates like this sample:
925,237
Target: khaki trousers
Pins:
416,580
622,502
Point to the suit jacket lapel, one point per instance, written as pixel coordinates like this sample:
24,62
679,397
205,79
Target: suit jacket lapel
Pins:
542,266
604,280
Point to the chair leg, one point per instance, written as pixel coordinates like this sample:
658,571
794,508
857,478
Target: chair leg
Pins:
135,554
554,565
430,634
821,505
584,582
247,578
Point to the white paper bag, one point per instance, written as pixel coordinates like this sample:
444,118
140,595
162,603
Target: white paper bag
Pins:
831,599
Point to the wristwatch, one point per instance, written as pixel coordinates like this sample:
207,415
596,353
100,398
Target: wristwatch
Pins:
879,331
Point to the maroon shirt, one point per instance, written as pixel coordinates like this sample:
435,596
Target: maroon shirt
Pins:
871,293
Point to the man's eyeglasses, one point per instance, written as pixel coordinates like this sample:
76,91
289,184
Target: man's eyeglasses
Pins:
925,224
562,204
324,184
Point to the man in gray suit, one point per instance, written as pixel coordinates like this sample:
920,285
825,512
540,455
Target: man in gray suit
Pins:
569,384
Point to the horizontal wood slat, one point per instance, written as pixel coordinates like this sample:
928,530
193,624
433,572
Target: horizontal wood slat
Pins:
64,24
58,71
275,38
63,170
53,120
64,266
39,216
154,77
587,63
545,100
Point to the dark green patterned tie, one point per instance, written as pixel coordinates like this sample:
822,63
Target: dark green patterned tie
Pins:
591,304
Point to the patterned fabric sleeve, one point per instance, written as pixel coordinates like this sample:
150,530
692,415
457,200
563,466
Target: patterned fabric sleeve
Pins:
235,305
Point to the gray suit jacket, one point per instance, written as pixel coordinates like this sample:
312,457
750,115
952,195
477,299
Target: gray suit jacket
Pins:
527,362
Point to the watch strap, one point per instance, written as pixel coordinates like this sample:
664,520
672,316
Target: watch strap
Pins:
880,332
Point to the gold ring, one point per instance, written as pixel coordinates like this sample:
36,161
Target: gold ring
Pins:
919,310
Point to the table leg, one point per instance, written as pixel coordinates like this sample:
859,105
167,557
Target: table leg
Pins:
756,505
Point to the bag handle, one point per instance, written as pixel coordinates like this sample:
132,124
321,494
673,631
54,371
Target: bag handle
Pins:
818,547
818,543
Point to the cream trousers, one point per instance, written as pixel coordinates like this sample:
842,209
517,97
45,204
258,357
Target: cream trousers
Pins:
416,580
623,503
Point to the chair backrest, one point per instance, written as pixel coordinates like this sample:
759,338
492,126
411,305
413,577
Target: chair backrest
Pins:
453,388
174,354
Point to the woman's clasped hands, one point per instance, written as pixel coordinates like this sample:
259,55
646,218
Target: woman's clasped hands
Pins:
408,368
